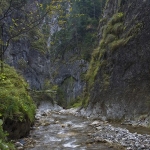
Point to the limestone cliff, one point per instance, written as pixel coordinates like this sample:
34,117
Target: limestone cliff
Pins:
35,60
118,77
31,63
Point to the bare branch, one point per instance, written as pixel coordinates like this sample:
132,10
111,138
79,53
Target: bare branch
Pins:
28,29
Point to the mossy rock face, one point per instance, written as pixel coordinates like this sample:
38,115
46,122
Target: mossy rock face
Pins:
16,106
120,86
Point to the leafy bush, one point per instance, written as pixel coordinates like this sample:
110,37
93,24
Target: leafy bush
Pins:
4,145
15,101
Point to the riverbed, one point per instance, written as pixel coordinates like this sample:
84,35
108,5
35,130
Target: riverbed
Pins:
59,129
55,131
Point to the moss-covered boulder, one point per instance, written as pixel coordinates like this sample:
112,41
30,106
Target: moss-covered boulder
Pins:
16,106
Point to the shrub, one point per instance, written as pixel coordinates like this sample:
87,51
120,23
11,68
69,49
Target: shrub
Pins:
15,101
4,145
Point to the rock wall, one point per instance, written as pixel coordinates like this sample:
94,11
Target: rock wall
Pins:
122,82
38,67
68,74
31,63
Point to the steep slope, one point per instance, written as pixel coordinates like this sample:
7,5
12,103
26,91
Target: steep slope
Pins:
118,77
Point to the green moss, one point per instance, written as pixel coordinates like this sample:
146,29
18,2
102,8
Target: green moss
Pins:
15,101
92,72
37,40
118,17
107,30
116,44
117,28
110,38
114,36
75,103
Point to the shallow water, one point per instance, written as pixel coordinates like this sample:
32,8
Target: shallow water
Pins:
64,132
132,129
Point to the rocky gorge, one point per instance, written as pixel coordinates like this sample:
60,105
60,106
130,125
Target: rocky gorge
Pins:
108,81
116,79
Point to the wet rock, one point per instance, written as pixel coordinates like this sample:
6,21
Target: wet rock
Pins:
45,124
63,125
18,144
44,114
69,125
20,148
95,123
99,139
57,122
90,141
99,128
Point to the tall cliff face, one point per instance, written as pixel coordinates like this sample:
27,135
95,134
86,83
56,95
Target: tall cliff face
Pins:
68,74
27,49
120,85
36,61
33,64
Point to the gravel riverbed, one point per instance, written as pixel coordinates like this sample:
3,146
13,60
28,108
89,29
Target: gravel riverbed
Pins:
59,129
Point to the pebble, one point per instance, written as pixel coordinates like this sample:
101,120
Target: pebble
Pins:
103,133
20,148
95,123
107,133
18,144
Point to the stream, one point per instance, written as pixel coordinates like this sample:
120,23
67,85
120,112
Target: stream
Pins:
56,129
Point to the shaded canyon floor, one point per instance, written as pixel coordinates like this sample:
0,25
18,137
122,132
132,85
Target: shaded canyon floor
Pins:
59,129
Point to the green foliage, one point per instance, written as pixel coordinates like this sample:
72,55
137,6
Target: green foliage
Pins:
116,44
117,28
15,101
114,36
79,28
38,40
75,103
4,144
110,41
17,18
48,92
61,97
118,17
110,38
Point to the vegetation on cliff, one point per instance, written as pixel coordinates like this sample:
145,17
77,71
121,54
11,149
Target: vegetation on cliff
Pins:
114,34
15,101
78,26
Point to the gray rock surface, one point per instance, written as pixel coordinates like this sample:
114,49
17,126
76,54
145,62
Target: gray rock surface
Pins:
127,70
